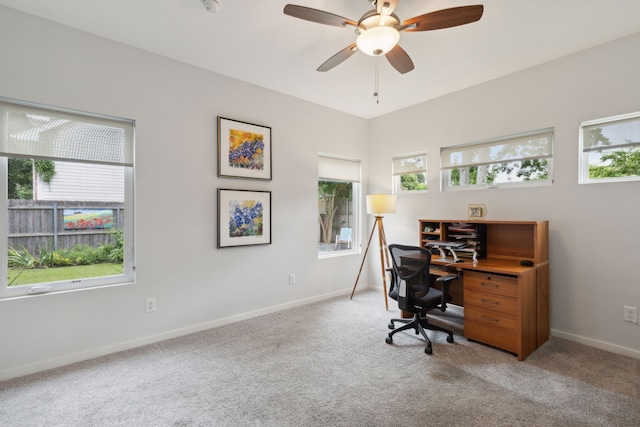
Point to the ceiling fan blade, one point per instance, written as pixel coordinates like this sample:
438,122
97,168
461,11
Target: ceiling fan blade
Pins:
392,5
444,18
399,59
319,16
338,58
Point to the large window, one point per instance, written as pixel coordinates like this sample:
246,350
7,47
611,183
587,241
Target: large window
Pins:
610,149
516,160
338,195
67,199
410,173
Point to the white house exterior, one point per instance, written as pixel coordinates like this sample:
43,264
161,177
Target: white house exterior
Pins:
82,182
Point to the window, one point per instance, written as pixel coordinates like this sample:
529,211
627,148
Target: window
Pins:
338,209
610,149
410,173
67,199
516,160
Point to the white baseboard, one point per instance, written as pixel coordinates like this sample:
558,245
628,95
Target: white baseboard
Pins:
613,348
127,345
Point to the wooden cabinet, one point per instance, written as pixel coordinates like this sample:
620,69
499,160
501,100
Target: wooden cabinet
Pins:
496,311
506,290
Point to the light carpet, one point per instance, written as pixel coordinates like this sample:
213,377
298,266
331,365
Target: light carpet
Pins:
327,364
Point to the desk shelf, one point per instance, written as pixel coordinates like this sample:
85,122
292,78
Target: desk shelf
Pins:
472,235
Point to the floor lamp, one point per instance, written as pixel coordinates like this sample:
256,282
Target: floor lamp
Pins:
379,204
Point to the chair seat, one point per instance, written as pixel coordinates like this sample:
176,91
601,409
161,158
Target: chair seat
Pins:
432,298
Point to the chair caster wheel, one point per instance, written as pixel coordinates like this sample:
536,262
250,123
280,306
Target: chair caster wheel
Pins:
391,325
428,350
388,340
449,338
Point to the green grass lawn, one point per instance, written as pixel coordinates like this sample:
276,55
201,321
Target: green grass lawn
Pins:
17,277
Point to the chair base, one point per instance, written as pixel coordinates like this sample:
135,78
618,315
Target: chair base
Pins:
419,324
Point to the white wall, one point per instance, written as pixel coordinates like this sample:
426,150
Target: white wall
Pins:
175,108
594,233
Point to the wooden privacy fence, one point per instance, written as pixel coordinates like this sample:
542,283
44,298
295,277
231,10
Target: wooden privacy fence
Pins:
36,224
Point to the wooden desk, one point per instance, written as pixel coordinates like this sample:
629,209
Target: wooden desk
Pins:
506,304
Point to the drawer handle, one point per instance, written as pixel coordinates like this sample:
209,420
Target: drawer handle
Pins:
489,319
488,285
488,301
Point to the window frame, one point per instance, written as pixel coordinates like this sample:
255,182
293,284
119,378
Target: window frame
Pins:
583,152
128,229
347,169
482,147
398,171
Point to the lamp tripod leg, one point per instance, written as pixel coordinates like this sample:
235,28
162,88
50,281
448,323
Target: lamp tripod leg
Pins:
363,259
383,251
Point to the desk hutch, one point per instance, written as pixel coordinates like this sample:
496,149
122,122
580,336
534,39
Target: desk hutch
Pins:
504,269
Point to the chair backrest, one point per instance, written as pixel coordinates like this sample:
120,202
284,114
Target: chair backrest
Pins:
411,268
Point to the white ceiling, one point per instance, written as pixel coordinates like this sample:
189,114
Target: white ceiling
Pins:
254,41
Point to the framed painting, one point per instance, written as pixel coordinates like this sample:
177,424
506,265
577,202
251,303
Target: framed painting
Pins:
244,218
244,150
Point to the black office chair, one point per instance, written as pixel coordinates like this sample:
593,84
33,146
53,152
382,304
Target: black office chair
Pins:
411,287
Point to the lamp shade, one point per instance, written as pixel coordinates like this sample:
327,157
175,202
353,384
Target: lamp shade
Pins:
381,203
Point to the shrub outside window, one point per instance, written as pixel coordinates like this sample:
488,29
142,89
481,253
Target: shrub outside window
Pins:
338,195
516,160
610,149
410,173
67,199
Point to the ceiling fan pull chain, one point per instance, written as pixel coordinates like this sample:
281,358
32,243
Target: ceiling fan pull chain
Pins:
377,83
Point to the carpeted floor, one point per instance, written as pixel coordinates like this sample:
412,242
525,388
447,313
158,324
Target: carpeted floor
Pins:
327,364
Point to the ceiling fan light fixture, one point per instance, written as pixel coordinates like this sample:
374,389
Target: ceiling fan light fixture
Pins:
378,40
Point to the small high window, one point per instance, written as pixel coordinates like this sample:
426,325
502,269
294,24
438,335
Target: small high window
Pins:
516,160
610,149
410,173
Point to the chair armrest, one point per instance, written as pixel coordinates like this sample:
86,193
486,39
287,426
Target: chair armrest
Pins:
445,281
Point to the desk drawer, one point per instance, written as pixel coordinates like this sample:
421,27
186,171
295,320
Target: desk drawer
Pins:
490,327
491,301
491,283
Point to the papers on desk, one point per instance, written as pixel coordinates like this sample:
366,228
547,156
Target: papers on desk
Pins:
454,248
446,245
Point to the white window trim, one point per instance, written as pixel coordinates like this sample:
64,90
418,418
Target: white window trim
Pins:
583,168
128,275
345,174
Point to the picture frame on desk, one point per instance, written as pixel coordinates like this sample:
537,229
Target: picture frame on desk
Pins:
477,212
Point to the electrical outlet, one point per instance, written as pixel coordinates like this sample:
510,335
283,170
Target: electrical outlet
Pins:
631,314
292,279
151,304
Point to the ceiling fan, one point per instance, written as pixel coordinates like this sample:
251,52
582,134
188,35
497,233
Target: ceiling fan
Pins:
378,31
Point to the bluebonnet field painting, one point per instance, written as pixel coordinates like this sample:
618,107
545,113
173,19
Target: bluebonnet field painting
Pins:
245,218
246,150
